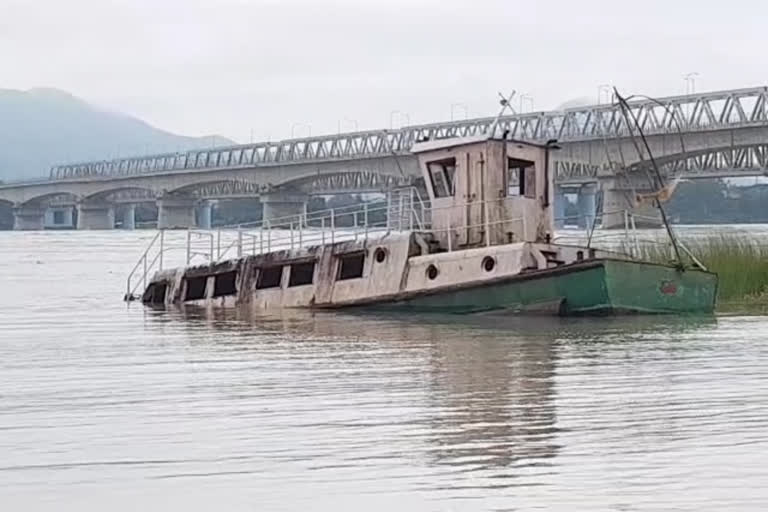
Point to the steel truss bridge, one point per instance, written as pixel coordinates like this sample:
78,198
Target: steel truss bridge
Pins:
350,183
688,114
729,162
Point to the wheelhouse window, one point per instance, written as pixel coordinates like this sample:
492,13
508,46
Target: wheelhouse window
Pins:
521,178
157,293
351,266
301,273
269,277
195,287
224,284
441,174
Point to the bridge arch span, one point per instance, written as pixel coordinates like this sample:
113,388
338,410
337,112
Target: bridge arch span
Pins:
121,194
733,160
226,188
46,199
346,181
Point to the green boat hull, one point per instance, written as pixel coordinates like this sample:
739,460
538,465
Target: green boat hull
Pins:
596,287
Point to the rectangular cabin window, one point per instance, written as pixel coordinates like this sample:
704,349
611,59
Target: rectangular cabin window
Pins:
224,284
351,266
441,174
301,273
157,293
521,178
269,277
195,287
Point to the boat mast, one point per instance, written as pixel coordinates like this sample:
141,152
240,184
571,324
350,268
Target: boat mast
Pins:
632,124
506,103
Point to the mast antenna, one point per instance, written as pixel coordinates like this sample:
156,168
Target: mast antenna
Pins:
506,103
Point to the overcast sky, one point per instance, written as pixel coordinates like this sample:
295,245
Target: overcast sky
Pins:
198,67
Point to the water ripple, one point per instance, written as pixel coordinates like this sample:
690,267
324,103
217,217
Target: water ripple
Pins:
104,405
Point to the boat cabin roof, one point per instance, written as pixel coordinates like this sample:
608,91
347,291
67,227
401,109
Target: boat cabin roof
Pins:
433,145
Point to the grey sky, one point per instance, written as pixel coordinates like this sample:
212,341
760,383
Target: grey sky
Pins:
229,66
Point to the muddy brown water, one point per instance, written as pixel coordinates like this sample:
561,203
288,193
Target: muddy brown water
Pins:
105,406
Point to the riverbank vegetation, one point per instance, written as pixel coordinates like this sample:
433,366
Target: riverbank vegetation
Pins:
717,202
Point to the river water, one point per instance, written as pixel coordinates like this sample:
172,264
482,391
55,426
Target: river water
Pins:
105,406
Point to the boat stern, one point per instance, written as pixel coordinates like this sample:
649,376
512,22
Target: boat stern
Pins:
642,287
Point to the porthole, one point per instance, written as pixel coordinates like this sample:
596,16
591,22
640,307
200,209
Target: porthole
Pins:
432,272
380,255
489,263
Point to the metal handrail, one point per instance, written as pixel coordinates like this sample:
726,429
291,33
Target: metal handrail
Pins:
143,281
129,295
408,213
301,233
319,213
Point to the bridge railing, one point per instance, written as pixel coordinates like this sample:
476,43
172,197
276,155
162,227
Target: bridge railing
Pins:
695,112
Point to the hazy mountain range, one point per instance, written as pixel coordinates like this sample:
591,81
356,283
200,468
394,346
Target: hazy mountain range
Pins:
43,127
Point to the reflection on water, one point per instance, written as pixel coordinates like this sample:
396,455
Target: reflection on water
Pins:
486,410
104,405
494,411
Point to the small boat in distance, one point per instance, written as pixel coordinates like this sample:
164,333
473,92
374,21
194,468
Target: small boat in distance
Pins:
483,242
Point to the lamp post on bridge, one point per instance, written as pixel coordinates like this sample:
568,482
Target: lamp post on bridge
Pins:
690,82
351,122
608,90
526,98
690,88
400,115
306,125
462,106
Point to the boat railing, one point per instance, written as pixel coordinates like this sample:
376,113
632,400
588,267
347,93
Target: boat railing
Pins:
628,239
311,231
362,221
401,210
625,239
150,261
483,226
320,228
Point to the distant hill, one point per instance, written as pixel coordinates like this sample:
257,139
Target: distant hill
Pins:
43,127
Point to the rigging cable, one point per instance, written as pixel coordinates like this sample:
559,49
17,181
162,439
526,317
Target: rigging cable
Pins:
624,169
628,114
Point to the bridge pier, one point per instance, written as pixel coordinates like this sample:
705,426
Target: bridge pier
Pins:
129,216
281,209
587,204
616,201
560,202
95,216
28,218
175,213
59,217
205,215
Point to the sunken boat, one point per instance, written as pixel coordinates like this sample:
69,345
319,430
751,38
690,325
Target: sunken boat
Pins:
482,242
